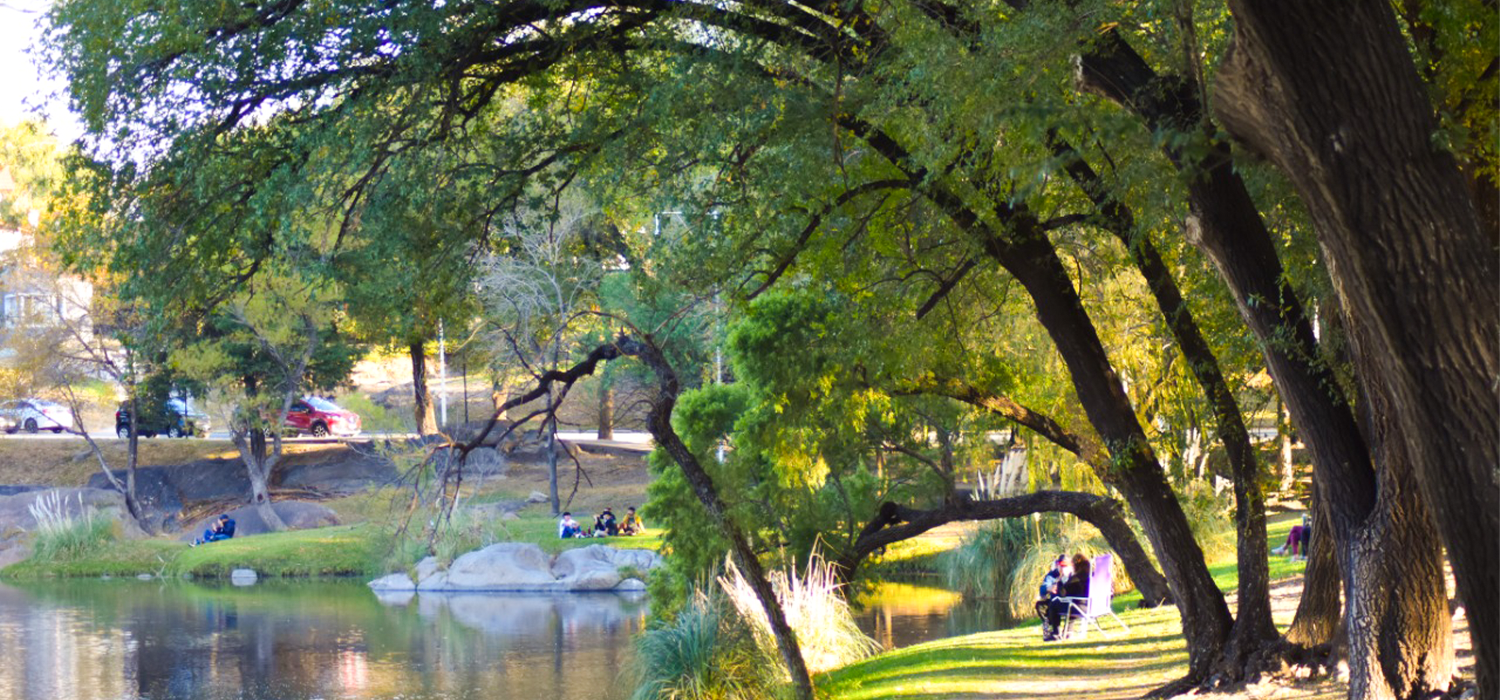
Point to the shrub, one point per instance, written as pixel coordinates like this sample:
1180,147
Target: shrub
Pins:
61,535
373,417
704,653
1210,515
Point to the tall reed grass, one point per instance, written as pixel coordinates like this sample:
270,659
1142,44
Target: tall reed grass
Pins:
64,535
814,609
719,645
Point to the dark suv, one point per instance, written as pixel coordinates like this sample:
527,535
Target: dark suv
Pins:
174,419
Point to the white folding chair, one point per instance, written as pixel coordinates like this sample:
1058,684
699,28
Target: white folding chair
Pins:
1097,604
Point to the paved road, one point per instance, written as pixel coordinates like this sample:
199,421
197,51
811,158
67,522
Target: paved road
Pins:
631,438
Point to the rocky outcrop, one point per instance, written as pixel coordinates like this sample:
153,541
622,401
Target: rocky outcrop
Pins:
15,511
16,520
519,567
298,515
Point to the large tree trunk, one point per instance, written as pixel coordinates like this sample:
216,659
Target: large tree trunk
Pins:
606,413
895,523
1317,617
258,465
422,407
1031,259
1026,253
659,420
1253,626
1328,92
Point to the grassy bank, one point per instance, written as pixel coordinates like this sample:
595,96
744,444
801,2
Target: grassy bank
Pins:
1014,663
345,550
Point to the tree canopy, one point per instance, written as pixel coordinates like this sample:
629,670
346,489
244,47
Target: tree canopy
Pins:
983,181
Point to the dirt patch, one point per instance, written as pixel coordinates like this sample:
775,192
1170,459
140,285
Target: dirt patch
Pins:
69,462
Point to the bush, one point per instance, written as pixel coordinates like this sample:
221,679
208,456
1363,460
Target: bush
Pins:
704,653
65,536
1210,515
373,417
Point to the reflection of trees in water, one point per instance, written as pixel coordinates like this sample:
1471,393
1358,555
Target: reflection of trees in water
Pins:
119,638
900,614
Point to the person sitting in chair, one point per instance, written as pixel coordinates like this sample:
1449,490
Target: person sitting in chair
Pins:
1054,579
1076,587
222,529
631,525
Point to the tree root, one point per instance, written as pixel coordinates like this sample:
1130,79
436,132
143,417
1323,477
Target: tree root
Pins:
1278,662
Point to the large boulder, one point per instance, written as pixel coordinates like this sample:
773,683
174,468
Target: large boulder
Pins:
298,515
508,566
349,475
597,567
157,495
513,566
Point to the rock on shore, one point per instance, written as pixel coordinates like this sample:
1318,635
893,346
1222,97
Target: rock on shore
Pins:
523,567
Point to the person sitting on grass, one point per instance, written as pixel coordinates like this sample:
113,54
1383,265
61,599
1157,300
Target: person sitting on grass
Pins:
1050,585
568,528
605,525
222,529
632,524
1076,587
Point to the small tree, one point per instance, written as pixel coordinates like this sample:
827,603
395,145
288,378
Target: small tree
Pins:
259,354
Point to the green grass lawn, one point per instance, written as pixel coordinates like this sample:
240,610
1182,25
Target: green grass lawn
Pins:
1013,663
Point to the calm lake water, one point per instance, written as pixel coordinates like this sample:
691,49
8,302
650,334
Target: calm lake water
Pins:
314,640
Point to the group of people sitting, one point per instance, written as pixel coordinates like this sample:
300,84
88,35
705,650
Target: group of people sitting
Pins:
605,525
221,529
1067,579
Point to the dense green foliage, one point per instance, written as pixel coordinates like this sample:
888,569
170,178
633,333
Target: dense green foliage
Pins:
887,200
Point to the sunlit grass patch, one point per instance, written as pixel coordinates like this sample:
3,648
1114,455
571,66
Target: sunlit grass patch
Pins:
1014,663
342,550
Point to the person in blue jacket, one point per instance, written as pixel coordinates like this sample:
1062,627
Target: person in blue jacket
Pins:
222,529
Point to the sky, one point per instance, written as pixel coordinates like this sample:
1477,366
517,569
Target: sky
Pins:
21,89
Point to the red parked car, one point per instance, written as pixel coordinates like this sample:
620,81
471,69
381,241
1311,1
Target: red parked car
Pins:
320,418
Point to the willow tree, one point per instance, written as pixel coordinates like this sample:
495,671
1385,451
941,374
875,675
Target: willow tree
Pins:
793,121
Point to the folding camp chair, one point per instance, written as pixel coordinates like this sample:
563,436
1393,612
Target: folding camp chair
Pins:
1097,604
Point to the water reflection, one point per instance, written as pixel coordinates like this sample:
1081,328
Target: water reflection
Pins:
902,613
81,640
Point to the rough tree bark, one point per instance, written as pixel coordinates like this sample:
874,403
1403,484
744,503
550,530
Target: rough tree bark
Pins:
422,407
894,523
606,413
1252,626
1227,227
1328,92
1317,618
259,464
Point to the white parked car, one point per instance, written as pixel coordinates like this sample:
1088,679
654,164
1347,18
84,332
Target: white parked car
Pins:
32,415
